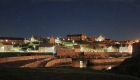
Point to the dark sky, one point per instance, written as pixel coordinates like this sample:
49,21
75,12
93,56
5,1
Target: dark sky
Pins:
115,19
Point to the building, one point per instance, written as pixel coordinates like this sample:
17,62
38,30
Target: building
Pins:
76,37
13,40
58,40
100,38
37,39
77,48
46,47
5,46
93,38
112,49
52,40
136,49
109,48
123,48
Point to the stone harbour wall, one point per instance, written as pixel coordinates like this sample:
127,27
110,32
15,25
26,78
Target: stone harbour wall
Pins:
107,61
10,59
56,62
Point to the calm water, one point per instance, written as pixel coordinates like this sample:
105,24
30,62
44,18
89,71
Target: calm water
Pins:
84,63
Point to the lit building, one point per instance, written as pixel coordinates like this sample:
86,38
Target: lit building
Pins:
46,47
109,49
52,40
77,37
5,46
112,49
13,40
100,38
77,48
123,48
37,38
93,38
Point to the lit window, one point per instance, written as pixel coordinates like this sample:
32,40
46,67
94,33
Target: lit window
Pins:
68,39
100,40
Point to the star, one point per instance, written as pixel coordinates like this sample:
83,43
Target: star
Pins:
18,19
18,16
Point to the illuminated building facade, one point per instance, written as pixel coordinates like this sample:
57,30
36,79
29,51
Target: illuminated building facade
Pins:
5,46
77,37
46,47
93,38
100,38
13,40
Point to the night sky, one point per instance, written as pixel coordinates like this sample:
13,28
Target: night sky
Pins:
115,19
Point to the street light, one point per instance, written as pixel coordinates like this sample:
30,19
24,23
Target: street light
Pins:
73,41
34,47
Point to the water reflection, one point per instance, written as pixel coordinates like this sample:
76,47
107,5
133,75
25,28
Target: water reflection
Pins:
84,63
100,67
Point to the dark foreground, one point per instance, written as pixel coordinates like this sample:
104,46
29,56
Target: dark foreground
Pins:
59,73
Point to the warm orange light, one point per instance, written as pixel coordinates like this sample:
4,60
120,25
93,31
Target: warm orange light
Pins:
137,40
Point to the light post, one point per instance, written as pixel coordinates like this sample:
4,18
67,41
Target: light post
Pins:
34,47
73,41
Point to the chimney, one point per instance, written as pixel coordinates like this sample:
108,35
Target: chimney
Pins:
71,33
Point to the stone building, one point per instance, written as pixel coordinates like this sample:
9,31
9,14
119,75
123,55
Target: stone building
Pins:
123,48
109,49
76,37
136,49
37,39
112,49
93,38
5,46
13,40
46,47
52,40
100,38
77,48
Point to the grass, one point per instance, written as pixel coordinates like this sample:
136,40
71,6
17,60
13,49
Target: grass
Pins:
31,44
59,73
18,48
80,42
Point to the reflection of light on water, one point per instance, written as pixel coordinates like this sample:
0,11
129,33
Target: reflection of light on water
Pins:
109,68
100,67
